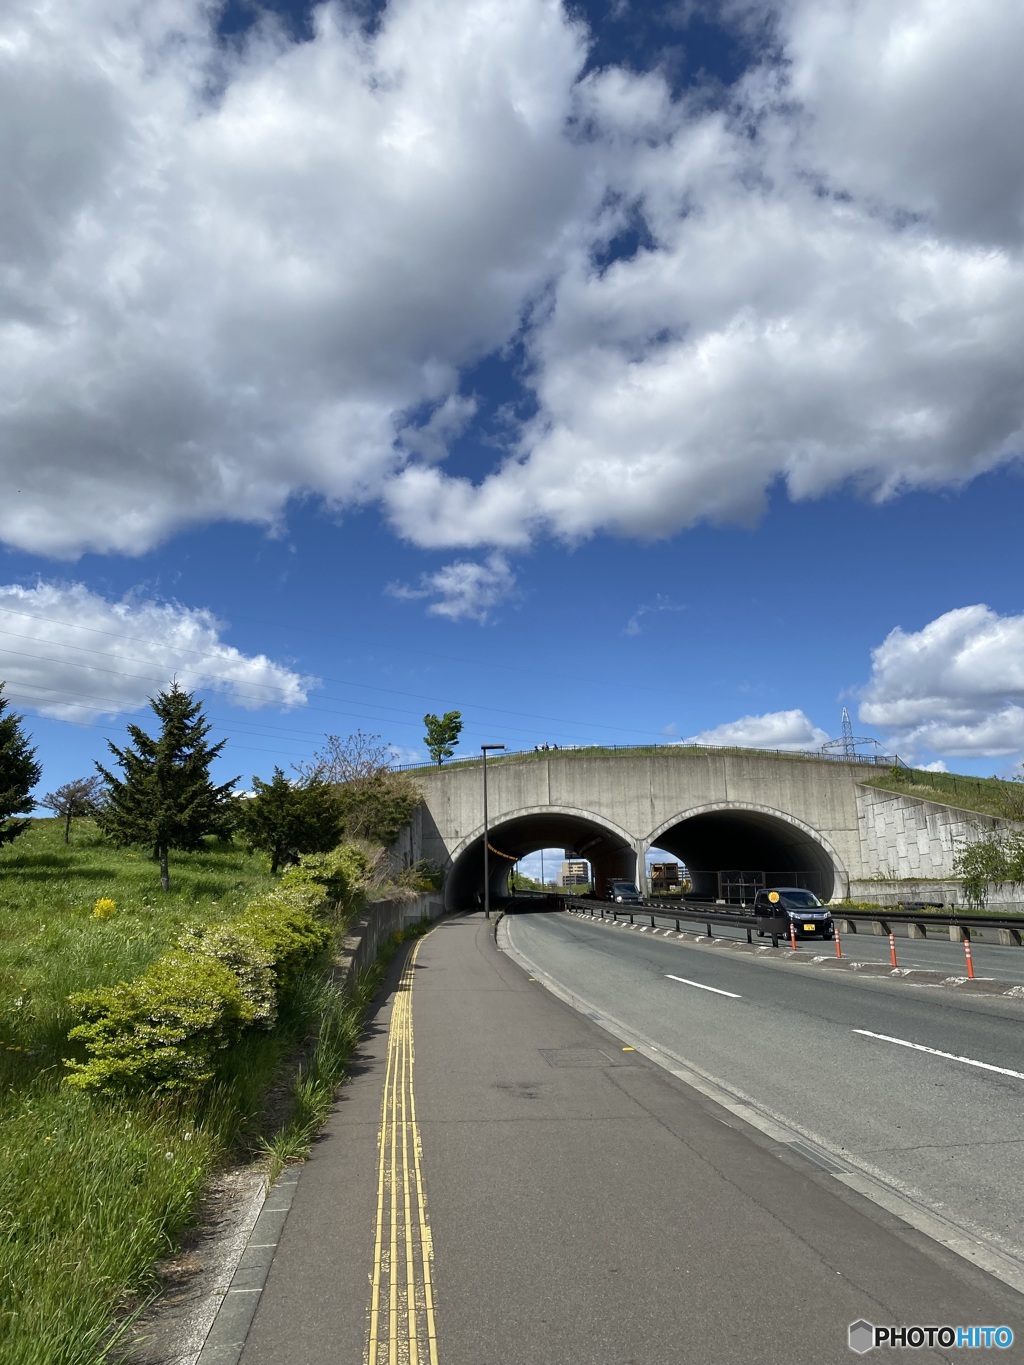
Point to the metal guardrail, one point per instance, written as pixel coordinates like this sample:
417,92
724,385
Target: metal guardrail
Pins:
1009,928
707,915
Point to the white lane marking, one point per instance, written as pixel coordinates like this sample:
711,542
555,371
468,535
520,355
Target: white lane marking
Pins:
972,1243
934,1051
731,994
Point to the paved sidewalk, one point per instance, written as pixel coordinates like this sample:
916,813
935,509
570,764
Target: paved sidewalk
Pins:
581,1206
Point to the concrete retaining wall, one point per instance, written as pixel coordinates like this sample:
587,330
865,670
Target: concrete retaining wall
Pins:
908,846
362,943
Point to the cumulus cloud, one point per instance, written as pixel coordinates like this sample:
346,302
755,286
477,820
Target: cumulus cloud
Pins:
773,730
73,655
955,687
794,316
463,590
233,275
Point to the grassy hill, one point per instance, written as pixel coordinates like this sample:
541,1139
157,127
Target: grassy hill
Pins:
93,1189
51,944
986,795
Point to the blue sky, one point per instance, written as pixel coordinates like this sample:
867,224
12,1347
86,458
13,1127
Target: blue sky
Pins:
626,375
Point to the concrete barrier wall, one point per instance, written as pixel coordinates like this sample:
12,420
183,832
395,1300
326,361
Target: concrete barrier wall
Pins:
362,943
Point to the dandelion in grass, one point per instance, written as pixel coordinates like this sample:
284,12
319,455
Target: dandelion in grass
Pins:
104,908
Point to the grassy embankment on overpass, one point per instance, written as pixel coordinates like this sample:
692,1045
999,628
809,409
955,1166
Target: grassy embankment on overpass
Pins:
986,795
611,750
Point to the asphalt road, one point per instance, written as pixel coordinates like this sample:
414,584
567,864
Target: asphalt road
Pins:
935,953
504,1182
851,1065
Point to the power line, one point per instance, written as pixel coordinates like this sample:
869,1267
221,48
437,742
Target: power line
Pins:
233,683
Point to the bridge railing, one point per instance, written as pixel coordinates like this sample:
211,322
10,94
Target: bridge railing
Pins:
470,760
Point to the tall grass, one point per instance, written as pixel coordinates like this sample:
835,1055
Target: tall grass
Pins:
93,1192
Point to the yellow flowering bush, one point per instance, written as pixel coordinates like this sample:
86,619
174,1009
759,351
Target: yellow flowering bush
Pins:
104,908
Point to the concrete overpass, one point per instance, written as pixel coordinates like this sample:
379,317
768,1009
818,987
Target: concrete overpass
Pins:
801,819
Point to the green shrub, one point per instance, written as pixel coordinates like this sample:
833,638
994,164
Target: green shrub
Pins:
336,876
286,933
161,1031
236,947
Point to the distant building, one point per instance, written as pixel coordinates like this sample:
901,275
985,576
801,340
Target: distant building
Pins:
575,872
665,874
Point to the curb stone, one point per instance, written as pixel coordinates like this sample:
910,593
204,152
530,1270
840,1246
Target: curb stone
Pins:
226,1338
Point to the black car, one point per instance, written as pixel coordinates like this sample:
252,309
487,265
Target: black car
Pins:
624,893
780,907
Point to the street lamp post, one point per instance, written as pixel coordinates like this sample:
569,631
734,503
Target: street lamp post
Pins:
487,879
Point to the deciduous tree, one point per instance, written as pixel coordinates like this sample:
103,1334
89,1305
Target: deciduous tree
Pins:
74,800
375,803
167,798
19,773
346,760
442,734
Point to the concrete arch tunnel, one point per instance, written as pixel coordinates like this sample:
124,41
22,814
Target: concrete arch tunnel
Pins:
610,850
712,841
729,839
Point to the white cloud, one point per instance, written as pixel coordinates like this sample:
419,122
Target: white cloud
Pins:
911,106
432,437
955,687
462,590
230,277
774,730
936,766
635,624
789,322
71,654
227,277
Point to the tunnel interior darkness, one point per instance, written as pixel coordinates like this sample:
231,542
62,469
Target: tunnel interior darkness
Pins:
609,854
749,841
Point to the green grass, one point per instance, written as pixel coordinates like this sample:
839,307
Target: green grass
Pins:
681,751
50,944
90,1196
986,795
93,1192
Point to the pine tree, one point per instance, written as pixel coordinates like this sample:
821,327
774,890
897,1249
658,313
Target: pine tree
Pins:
19,773
166,798
285,819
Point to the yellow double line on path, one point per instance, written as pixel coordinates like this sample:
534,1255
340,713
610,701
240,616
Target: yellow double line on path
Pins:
402,1330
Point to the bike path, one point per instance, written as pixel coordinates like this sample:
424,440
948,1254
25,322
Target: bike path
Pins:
502,1182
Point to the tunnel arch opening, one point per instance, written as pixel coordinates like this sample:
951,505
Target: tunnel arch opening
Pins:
728,850
610,851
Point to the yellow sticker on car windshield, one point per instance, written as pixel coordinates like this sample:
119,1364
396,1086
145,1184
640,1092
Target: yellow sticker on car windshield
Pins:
773,896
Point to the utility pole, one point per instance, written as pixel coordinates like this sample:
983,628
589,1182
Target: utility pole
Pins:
487,877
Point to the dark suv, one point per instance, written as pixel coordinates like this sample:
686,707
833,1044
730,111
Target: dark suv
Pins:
779,907
625,893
